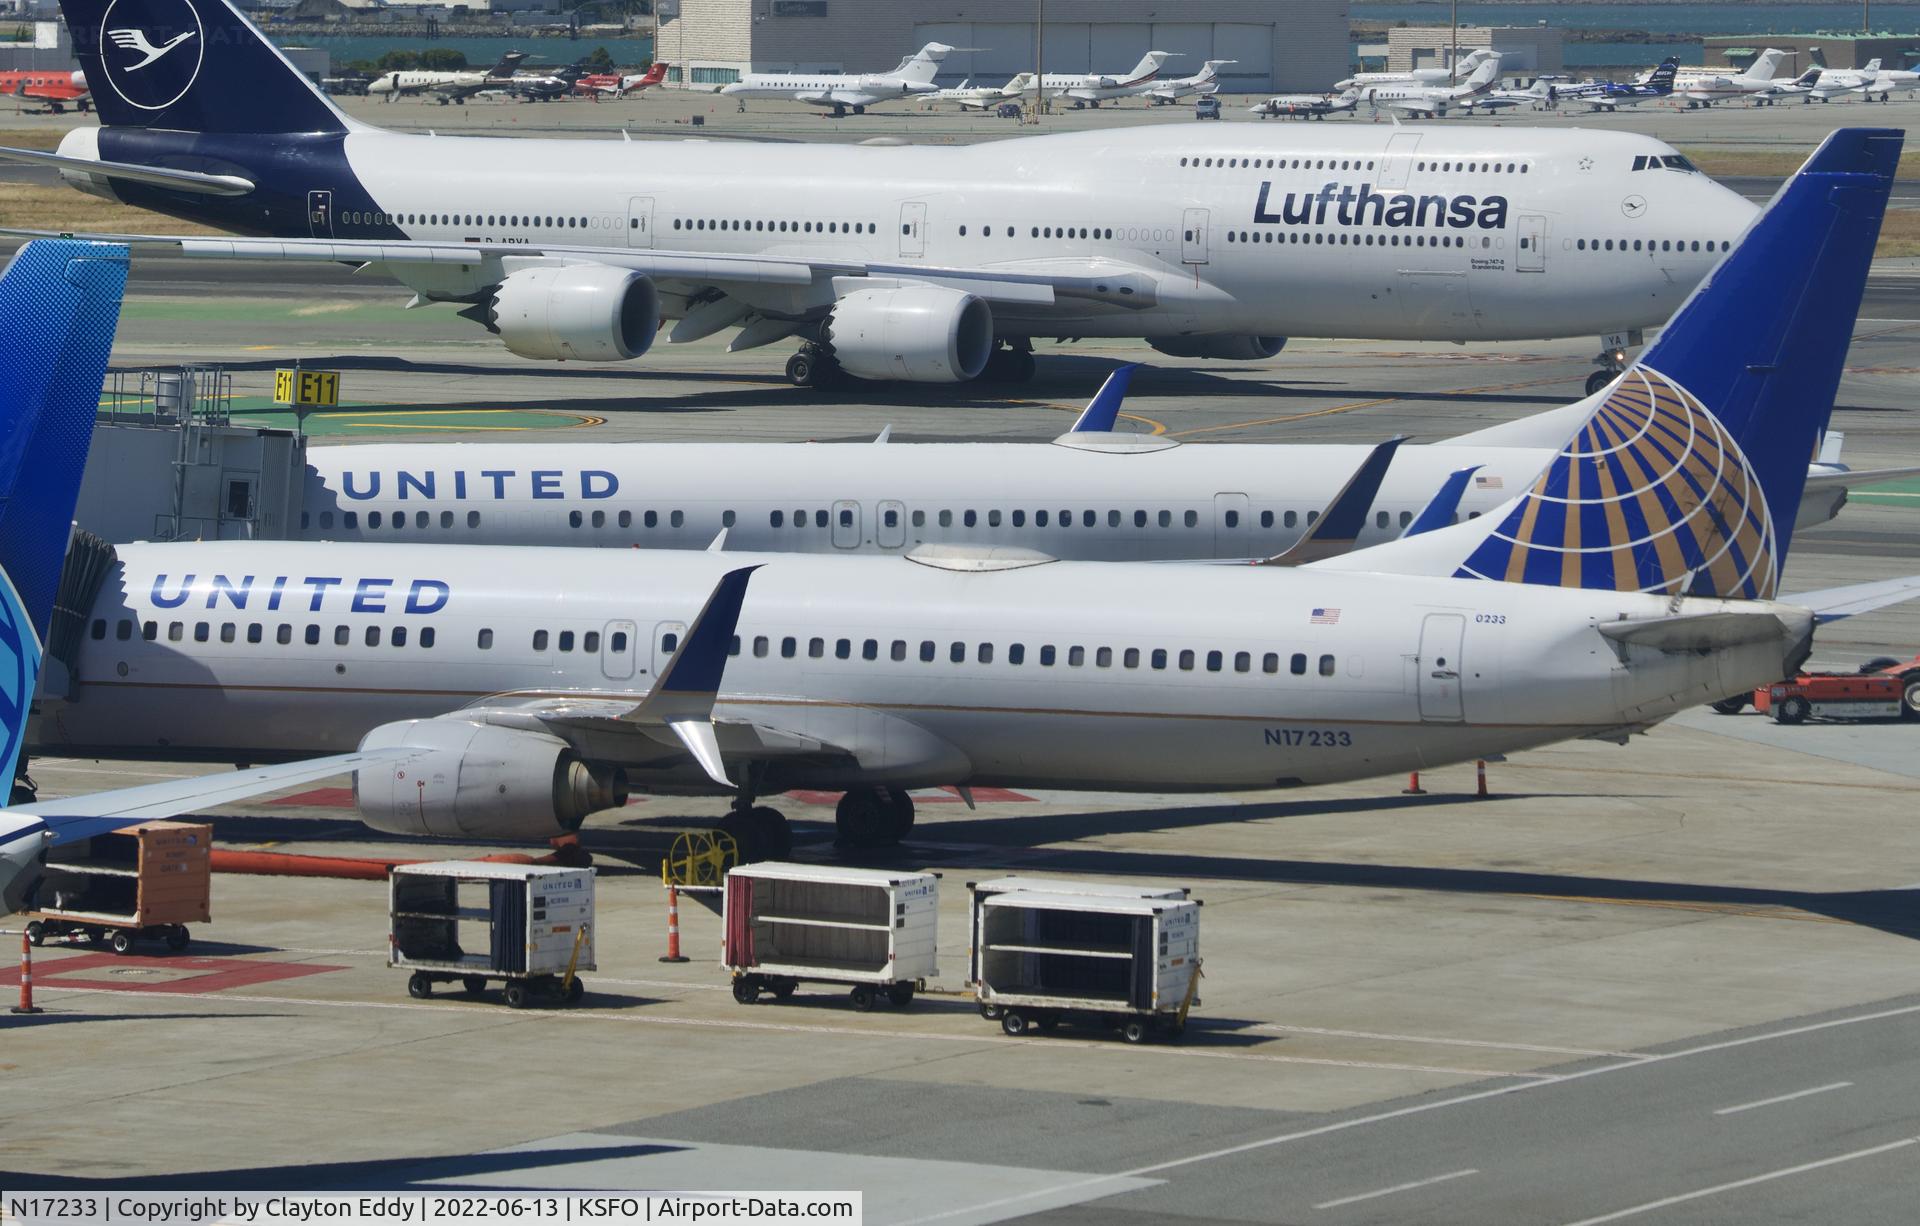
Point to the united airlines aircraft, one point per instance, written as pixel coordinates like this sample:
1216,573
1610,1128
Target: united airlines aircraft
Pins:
1635,577
918,263
59,307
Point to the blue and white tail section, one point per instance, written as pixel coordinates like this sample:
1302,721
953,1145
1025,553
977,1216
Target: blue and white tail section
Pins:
191,66
59,307
1686,477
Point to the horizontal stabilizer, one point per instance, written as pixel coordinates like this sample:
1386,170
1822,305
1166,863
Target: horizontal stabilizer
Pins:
178,180
1835,603
1847,478
1695,632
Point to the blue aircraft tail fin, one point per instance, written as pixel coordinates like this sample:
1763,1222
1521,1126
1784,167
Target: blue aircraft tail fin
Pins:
1687,475
1661,78
191,66
59,305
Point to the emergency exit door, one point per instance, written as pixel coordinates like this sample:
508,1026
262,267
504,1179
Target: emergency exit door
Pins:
320,214
1533,244
1193,237
640,221
666,641
1441,638
913,229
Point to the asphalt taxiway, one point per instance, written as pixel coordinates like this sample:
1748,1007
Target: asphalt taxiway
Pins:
1675,981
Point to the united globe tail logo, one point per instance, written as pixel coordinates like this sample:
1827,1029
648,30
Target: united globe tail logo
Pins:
152,51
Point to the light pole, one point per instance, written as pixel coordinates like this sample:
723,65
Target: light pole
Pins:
1039,58
1453,51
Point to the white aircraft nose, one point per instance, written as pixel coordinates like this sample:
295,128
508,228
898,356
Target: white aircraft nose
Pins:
79,79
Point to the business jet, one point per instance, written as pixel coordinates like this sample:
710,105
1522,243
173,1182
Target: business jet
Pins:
1421,76
969,96
1204,83
1433,101
1536,97
1305,106
1704,87
1890,81
1084,90
616,85
917,263
912,77
59,306
1610,96
1800,87
446,87
540,87
1635,577
1093,494
1874,83
54,91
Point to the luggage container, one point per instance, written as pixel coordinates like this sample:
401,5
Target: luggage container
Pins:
979,891
467,922
145,882
1128,964
788,924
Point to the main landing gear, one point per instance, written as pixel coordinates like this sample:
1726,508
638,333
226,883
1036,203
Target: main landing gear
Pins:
1010,362
813,366
760,832
873,817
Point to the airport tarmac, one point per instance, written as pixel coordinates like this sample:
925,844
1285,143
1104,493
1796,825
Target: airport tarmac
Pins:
1675,981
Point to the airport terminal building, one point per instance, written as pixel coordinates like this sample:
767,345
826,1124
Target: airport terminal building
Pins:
1278,44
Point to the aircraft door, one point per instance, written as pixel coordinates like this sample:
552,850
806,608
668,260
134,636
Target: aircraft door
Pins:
617,650
892,526
1231,531
320,214
640,221
666,641
1441,637
1399,160
1193,237
1533,244
913,229
846,525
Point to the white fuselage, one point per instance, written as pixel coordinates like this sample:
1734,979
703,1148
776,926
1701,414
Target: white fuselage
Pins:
827,90
1093,498
23,852
1238,230
1063,674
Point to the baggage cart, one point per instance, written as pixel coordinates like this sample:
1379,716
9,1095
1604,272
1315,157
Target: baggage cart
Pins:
1126,964
979,891
468,922
871,929
144,882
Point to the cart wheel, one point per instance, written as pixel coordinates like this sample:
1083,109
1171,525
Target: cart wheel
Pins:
576,991
419,986
1792,711
990,1012
121,940
1013,1023
177,937
36,932
782,989
1135,1032
861,997
474,984
516,993
900,995
746,989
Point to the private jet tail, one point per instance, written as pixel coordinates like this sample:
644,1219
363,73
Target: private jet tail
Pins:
1148,68
1685,476
924,64
1660,80
508,64
59,306
1763,68
1483,77
191,65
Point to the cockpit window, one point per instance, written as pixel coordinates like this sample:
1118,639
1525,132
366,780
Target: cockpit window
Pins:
1674,161
1671,161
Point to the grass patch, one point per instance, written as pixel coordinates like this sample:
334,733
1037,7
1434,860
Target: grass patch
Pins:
1774,163
38,206
45,139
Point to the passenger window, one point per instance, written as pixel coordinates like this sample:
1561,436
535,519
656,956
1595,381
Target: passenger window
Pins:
789,646
1298,665
993,518
283,635
843,649
1139,519
1326,666
970,519
677,519
227,632
957,653
1103,658
1242,662
926,651
350,519
1270,663
870,649
1113,519
326,519
760,646
1186,661
1166,519
1076,656
946,519
1130,658
651,519
775,519
1020,519
1046,656
313,636
373,519
898,651
99,630
1016,653
1159,657
726,519
421,519
590,641
1381,519
919,519
820,519
566,640
200,632
342,635
1193,519
446,519
733,646
599,519
540,640
473,519
985,653
1233,519
816,648
1040,519
373,636
573,519
123,630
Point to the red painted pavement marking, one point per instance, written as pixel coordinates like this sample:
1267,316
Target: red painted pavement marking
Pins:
942,796
193,975
327,798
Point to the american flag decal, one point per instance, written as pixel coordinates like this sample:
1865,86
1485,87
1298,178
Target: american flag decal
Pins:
1325,617
1490,483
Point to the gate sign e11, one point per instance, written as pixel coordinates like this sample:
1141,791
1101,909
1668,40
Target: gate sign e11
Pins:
316,388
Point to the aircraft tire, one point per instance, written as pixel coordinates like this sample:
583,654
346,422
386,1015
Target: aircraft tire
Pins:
862,820
772,832
899,812
1597,380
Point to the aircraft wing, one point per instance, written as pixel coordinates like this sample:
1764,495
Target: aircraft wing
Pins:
1849,478
1111,282
1834,603
149,802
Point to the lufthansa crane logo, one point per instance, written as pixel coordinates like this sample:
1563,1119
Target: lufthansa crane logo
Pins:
152,50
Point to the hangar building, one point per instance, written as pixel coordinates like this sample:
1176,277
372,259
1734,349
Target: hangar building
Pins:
1279,44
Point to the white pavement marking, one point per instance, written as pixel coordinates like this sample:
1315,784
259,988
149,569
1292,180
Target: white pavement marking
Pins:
1748,1182
1421,1038
1398,1187
1783,1098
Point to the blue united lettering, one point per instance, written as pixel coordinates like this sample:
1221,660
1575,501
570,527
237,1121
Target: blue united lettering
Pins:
1344,204
497,484
315,592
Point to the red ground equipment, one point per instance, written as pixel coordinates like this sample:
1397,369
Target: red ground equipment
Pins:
1883,688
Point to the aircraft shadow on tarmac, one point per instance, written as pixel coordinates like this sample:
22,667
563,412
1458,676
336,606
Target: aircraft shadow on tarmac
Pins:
494,1172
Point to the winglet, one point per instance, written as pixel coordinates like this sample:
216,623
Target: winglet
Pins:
683,697
1338,529
1440,512
1104,409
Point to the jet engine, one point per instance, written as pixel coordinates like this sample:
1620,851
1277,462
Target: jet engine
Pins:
918,333
576,312
1227,348
480,781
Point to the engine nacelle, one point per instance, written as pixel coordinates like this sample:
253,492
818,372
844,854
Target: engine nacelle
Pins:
576,313
478,781
1227,348
919,333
